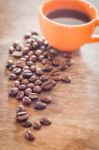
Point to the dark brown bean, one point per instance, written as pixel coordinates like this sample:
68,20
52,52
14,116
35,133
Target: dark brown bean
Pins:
39,71
13,91
9,63
17,54
66,79
34,33
27,36
29,63
33,96
46,100
27,91
36,125
17,70
25,50
26,100
33,78
11,49
40,105
38,52
12,76
33,68
12,67
47,68
20,108
15,43
29,136
47,85
25,81
35,45
21,116
27,73
37,89
20,64
44,78
45,61
27,124
20,95
45,121
30,85
16,83
22,87
33,58
20,77
41,57
56,78
38,82
56,62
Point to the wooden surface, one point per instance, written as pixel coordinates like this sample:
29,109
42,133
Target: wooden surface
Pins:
75,107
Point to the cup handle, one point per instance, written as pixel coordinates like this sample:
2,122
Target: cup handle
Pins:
95,38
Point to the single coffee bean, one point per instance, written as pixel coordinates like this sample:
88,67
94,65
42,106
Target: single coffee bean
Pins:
25,50
21,116
20,108
16,83
25,81
22,87
26,57
56,62
26,100
29,63
30,85
37,89
44,78
45,121
56,78
33,96
17,70
11,49
39,71
27,36
15,43
45,53
41,57
47,85
13,91
33,78
47,68
20,95
33,58
40,105
27,73
42,47
20,64
9,63
35,45
38,52
25,67
36,125
27,91
33,68
27,124
17,54
38,82
34,33
12,76
46,100
62,67
66,79
20,77
46,61
29,136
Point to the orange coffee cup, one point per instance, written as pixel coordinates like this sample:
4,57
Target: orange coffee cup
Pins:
68,37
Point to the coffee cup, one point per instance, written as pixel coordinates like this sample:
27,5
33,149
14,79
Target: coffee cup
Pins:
65,37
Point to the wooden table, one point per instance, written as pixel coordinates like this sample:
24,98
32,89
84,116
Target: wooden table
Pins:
75,107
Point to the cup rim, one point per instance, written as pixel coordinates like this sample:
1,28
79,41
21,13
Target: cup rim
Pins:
64,25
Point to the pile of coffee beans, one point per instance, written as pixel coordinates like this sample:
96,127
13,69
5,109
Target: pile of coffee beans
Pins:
35,67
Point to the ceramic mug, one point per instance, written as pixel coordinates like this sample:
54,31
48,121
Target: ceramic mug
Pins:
68,37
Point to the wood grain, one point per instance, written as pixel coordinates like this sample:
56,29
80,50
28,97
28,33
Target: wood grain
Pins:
75,107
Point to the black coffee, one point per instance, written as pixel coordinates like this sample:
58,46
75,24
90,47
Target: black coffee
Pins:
69,17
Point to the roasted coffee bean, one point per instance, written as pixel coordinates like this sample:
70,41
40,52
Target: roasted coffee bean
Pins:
33,68
17,54
30,85
38,82
56,62
17,70
20,95
44,78
55,72
33,78
34,33
33,96
56,78
26,57
25,50
16,83
33,58
66,79
12,67
21,116
25,81
47,68
25,68
37,89
20,64
41,57
62,67
27,124
22,87
35,45
47,85
27,91
9,63
29,63
46,61
39,105
42,47
13,91
11,49
45,43
26,100
45,53
27,36
38,52
45,121
20,108
15,43
29,136
20,77
27,73
39,71
12,76
46,100
36,125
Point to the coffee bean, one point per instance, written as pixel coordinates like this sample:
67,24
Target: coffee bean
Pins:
55,62
11,49
20,77
34,33
27,124
62,67
38,52
22,87
39,71
16,83
33,58
29,63
30,85
41,57
45,121
27,91
33,68
45,53
26,57
33,78
9,63
15,43
37,89
26,68
36,125
46,99
12,76
42,47
33,96
35,45
20,64
13,91
66,79
21,116
20,95
17,70
12,67
26,100
44,78
47,85
29,136
39,106
56,78
47,68
25,50
38,82
17,54
20,108
25,81
27,73
27,36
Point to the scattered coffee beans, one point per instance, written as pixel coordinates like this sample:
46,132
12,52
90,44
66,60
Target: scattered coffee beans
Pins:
29,136
36,125
45,121
40,105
